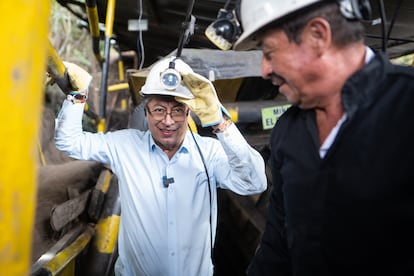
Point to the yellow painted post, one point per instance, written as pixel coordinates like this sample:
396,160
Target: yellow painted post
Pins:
24,26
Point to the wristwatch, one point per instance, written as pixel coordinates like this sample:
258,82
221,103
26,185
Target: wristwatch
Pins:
220,128
76,97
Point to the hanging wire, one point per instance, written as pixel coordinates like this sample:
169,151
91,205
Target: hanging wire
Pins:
383,26
140,42
226,6
394,18
187,28
209,194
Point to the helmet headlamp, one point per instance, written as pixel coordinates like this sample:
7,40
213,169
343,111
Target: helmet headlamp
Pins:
170,78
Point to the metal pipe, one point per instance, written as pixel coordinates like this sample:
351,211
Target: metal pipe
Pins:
57,70
93,20
184,35
250,111
110,12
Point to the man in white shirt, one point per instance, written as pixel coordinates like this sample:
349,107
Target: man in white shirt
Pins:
168,176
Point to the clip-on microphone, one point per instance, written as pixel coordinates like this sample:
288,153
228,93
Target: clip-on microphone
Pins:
167,181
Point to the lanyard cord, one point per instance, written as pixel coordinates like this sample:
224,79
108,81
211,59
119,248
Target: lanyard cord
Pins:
209,193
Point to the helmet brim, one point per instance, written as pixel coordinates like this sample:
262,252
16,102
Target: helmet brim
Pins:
184,93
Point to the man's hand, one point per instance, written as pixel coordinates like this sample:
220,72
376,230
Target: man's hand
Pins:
79,80
205,103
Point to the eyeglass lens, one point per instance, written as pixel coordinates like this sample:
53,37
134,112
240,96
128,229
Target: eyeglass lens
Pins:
177,114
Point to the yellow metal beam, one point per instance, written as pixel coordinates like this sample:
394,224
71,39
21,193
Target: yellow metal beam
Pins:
24,25
64,258
118,86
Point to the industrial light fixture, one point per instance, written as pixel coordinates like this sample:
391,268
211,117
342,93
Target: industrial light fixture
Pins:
225,30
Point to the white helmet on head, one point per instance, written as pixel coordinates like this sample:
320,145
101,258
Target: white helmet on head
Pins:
164,79
256,14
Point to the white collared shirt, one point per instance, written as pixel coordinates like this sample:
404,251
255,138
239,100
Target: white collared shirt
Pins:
165,231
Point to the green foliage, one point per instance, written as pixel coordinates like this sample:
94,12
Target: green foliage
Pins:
70,37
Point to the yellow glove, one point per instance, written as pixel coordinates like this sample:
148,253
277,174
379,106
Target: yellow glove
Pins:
205,103
79,80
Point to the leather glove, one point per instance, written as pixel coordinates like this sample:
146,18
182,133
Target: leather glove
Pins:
79,80
205,103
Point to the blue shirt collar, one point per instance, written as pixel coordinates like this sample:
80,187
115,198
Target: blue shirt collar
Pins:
183,149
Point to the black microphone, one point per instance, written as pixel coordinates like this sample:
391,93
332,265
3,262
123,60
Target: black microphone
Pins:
167,181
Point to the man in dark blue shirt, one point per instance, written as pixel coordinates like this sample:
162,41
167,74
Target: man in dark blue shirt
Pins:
342,156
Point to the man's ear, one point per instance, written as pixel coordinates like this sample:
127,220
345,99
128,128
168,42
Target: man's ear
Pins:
317,33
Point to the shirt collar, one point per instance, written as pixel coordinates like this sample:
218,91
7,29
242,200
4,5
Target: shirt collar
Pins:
360,88
152,146
369,54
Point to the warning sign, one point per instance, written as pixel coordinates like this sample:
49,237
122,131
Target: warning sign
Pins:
271,114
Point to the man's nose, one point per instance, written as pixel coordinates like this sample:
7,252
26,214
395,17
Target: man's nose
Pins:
266,69
168,119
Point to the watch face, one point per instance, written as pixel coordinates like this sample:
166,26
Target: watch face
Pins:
170,79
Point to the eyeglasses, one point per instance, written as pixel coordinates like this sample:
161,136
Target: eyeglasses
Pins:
177,114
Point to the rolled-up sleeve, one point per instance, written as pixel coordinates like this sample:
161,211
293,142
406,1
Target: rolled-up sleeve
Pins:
72,140
244,172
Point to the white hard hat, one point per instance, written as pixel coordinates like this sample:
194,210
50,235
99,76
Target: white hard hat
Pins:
154,83
256,14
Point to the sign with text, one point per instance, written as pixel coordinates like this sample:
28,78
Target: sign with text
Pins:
271,114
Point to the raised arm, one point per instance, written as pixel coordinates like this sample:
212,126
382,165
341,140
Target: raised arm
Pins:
243,171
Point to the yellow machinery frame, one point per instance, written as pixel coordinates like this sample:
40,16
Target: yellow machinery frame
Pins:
25,24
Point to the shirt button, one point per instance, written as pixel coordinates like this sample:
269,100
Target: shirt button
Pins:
172,253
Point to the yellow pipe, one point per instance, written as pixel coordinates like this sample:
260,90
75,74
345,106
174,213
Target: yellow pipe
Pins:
42,155
192,125
25,25
119,86
121,70
93,20
55,65
110,16
57,70
101,125
124,102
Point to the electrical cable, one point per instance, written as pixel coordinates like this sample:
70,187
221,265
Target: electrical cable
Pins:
383,26
227,4
186,28
140,43
394,18
209,193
